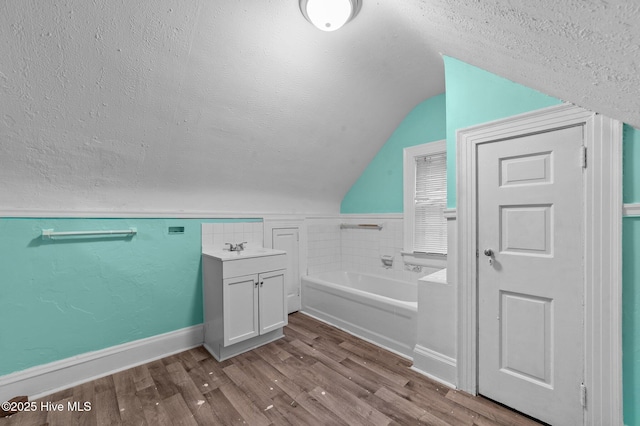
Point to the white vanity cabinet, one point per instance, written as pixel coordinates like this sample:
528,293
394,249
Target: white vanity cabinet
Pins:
244,298
255,305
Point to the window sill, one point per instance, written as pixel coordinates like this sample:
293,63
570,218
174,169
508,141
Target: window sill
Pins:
422,259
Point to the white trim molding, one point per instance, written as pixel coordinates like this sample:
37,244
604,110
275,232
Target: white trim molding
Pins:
630,210
602,256
434,365
369,216
146,214
46,379
452,245
138,214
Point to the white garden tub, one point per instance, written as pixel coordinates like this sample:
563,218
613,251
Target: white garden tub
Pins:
378,309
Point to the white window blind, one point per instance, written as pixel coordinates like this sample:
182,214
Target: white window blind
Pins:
430,229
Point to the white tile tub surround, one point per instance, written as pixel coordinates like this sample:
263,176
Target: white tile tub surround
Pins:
361,249
215,235
331,248
323,245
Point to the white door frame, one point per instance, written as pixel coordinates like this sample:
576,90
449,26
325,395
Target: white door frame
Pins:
602,253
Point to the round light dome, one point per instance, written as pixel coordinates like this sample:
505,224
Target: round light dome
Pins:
329,15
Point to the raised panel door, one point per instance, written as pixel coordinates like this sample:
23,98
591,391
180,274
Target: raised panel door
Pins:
273,306
241,320
530,274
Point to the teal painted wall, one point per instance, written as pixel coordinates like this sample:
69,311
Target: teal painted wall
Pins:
631,320
67,297
379,188
631,279
476,96
631,164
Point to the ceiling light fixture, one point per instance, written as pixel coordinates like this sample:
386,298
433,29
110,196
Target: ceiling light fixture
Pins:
329,15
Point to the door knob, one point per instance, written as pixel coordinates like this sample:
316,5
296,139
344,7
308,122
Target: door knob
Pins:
489,253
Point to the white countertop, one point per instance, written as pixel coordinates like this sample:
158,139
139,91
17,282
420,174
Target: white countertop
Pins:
225,255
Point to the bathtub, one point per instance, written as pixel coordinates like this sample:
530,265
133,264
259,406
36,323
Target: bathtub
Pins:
378,309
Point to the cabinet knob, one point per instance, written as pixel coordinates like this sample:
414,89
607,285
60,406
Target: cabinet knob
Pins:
261,282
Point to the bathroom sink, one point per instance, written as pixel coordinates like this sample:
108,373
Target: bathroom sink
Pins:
225,255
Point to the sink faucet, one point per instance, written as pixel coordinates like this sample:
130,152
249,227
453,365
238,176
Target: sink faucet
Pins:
236,247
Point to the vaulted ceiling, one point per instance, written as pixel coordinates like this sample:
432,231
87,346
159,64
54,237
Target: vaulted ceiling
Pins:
231,106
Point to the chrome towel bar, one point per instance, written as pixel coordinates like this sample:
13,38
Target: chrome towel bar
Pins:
48,233
360,226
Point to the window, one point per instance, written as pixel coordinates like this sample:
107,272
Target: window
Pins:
425,199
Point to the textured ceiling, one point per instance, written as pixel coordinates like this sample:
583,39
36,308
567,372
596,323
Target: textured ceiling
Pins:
586,52
234,106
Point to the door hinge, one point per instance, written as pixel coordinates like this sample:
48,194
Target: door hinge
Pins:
583,395
583,157
477,253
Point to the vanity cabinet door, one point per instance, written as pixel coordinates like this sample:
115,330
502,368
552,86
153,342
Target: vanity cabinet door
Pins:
240,297
273,306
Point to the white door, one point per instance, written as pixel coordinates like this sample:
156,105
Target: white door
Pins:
530,283
273,305
287,239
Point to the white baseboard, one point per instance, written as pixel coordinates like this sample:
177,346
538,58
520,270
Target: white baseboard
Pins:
432,377
46,379
434,365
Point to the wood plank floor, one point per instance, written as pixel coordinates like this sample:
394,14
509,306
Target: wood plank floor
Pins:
317,374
